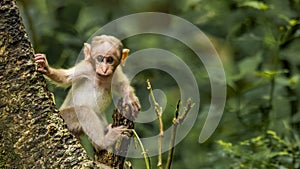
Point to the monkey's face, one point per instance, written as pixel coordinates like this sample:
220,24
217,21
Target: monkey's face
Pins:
106,59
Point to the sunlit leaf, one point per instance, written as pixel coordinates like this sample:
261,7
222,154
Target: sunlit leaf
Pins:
294,79
225,145
266,74
255,5
269,73
293,22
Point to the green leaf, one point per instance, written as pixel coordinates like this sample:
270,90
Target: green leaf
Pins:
294,80
226,146
266,74
255,5
293,22
269,73
248,66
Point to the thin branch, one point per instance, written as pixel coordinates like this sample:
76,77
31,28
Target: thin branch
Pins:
187,108
172,143
146,157
158,111
176,121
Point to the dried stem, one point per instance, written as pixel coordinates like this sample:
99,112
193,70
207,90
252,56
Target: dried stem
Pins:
186,110
176,121
158,111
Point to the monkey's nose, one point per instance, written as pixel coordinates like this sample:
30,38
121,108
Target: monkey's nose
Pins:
104,69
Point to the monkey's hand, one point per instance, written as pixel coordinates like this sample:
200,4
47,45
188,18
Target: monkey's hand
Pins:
134,104
113,133
43,63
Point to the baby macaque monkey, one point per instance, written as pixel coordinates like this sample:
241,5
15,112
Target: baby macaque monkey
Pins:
91,80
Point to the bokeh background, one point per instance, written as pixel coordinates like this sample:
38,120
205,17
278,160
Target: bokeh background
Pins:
258,43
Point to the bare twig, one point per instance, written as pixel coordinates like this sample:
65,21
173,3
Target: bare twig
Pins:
176,121
158,111
172,143
186,110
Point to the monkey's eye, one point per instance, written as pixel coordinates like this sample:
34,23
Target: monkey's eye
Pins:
100,58
110,60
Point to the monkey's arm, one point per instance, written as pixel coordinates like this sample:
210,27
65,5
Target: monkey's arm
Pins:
64,77
60,76
122,86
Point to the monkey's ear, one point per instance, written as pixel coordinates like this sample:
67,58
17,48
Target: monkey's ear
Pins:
87,51
124,56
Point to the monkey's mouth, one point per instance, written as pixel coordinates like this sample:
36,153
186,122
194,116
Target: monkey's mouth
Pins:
103,75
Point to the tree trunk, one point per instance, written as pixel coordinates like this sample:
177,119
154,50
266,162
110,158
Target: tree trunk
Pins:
32,133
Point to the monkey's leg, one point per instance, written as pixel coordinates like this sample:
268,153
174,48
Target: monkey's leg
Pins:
70,118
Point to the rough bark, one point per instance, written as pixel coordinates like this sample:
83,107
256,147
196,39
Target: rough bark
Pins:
32,133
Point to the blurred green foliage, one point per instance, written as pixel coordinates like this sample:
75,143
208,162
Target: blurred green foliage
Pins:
267,150
258,42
